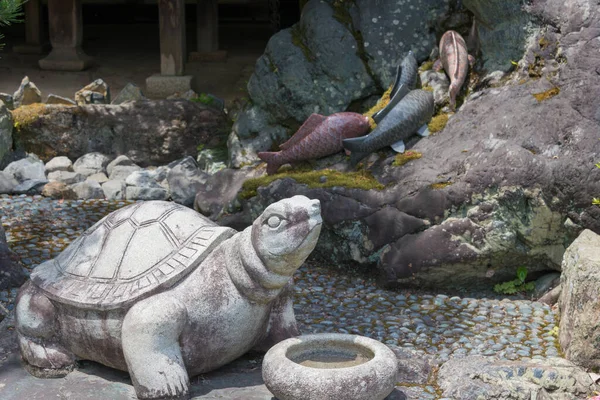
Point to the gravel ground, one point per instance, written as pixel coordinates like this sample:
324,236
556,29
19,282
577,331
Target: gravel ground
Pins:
38,228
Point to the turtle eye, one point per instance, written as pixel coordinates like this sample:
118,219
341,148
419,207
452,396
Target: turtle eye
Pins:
274,221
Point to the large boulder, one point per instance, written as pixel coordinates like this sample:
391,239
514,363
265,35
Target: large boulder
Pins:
477,377
148,132
579,301
11,272
6,128
508,182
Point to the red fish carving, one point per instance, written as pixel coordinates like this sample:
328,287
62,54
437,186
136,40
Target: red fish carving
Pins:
318,137
455,60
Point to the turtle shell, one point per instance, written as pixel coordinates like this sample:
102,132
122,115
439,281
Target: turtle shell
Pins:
129,255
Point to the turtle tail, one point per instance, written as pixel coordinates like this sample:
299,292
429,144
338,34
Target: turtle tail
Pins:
272,160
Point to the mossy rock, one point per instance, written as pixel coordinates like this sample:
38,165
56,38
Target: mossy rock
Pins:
325,178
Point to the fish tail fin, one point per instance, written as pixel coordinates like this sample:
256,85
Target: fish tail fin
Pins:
272,160
354,145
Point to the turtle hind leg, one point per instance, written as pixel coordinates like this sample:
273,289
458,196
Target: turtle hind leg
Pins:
150,336
43,355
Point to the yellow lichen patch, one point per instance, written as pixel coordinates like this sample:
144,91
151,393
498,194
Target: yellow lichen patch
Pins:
26,115
438,123
426,66
547,94
427,88
403,158
381,103
440,185
315,179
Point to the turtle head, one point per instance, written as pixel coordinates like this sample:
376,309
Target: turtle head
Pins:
286,233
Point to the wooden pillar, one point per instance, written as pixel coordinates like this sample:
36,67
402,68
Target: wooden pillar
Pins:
66,34
171,21
207,32
34,38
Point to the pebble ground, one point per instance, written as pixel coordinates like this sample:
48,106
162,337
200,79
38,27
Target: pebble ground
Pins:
38,229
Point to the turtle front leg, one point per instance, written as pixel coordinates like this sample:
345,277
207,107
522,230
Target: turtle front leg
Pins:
282,320
150,336
43,354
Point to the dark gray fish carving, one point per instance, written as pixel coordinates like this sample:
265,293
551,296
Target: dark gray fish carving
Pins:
406,80
402,121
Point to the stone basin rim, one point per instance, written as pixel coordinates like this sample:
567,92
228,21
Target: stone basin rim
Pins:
371,380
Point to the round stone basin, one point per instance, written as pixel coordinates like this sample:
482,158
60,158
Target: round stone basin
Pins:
330,367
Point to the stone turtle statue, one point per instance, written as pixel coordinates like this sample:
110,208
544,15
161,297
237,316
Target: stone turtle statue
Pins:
160,291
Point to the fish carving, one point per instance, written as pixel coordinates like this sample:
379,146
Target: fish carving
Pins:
318,137
406,80
455,60
400,123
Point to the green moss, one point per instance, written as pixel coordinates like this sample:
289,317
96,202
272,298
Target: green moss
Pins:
547,94
426,66
204,99
438,123
405,157
299,40
381,103
440,185
315,179
427,88
26,115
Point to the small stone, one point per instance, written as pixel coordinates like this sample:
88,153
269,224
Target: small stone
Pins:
121,161
130,92
27,94
121,172
91,163
96,92
55,99
58,190
114,189
27,168
66,177
60,163
7,183
8,101
140,193
99,177
142,178
88,190
30,187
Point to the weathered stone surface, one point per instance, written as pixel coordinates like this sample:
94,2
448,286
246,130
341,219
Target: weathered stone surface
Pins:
11,272
439,82
91,163
66,177
579,302
61,163
8,101
185,180
120,160
148,132
27,94
477,377
114,189
59,190
142,178
212,161
502,29
27,168
55,99
508,182
130,92
190,258
88,190
545,283
96,92
121,172
146,193
30,186
99,177
6,128
7,183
